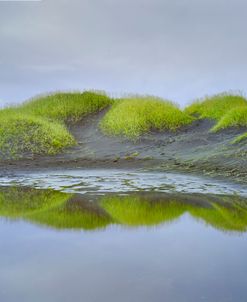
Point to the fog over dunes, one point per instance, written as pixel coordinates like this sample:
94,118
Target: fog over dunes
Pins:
177,49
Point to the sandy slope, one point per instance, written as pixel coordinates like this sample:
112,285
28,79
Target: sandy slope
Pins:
192,149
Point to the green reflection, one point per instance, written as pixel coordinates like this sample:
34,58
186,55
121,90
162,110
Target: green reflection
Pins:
20,202
73,211
51,208
221,212
139,210
224,217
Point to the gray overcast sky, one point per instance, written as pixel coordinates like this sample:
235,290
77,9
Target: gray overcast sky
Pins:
177,49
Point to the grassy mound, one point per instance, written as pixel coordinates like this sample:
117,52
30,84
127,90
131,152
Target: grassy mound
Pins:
215,107
37,126
21,134
240,138
134,116
69,107
236,117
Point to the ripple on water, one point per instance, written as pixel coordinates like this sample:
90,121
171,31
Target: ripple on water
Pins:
101,181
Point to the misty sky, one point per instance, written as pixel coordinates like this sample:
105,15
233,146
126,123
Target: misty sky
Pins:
177,49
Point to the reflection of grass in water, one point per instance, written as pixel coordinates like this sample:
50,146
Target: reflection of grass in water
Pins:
138,211
18,202
49,208
62,218
67,211
229,217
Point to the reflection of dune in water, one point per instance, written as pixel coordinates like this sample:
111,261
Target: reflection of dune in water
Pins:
224,213
21,202
51,208
75,213
67,211
134,210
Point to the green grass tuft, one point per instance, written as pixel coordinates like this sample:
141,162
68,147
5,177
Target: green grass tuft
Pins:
20,134
236,117
38,126
240,138
216,107
68,107
132,117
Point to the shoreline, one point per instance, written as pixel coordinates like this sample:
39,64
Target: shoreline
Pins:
193,150
171,166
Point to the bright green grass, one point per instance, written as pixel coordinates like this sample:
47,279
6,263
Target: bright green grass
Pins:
216,107
69,107
38,126
132,117
240,138
21,134
236,117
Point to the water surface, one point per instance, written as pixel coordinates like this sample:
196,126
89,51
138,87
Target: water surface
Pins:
120,246
110,180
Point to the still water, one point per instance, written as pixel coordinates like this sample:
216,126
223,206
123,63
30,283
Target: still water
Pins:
144,245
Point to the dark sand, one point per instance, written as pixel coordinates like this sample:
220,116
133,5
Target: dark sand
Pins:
192,149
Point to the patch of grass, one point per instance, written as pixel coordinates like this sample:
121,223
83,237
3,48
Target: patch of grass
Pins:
21,134
68,107
38,126
236,117
132,117
131,156
215,107
240,138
